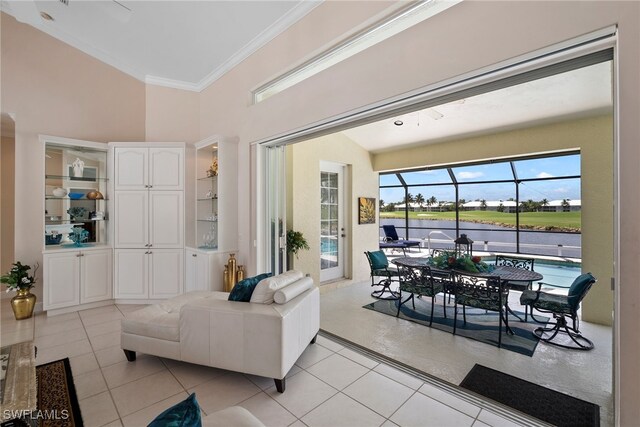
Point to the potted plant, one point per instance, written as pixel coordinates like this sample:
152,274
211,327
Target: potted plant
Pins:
18,279
295,243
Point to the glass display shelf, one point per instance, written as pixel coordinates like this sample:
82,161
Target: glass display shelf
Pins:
82,199
76,178
79,221
207,178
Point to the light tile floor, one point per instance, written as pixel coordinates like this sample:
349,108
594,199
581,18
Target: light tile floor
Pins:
330,385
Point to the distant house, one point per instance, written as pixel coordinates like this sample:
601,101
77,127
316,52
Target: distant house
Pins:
558,206
491,205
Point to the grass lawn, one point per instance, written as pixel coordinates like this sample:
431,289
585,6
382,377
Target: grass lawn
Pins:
533,219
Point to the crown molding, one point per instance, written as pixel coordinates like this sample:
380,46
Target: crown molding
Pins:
26,12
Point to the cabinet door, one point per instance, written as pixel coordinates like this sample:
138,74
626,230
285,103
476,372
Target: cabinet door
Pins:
132,273
131,168
131,228
95,276
61,280
197,271
166,223
166,168
166,273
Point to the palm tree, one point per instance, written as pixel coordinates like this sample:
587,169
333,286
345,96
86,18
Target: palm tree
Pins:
432,201
419,200
566,206
381,205
461,203
409,198
483,205
543,203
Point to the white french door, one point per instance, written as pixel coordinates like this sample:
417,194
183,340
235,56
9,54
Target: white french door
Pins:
332,232
274,245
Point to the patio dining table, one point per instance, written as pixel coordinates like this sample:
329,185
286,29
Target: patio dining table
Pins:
505,273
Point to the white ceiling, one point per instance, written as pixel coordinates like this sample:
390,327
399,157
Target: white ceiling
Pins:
182,44
579,93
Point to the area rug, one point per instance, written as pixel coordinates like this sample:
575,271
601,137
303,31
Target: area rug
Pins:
57,401
545,404
481,325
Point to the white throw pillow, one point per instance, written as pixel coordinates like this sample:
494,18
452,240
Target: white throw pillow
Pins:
266,288
286,294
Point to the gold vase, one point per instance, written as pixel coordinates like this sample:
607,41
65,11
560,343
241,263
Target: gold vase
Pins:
240,274
225,279
232,265
23,304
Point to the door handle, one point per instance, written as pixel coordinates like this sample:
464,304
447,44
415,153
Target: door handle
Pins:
194,255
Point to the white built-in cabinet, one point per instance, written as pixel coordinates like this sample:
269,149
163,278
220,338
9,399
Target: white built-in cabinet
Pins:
148,273
148,222
213,233
76,277
157,168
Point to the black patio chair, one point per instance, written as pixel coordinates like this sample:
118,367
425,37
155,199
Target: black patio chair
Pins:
517,285
379,266
420,282
561,307
484,292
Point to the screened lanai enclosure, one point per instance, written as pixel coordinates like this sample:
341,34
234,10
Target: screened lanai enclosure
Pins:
528,205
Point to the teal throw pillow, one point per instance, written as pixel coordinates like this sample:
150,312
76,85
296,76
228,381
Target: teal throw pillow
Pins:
183,414
378,260
243,289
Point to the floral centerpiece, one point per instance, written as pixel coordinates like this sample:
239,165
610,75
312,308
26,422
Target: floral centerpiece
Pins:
446,260
18,279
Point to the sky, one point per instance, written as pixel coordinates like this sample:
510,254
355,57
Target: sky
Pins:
550,167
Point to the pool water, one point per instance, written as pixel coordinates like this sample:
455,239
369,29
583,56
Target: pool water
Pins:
555,272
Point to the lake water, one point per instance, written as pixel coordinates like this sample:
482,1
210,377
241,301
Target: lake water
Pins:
503,239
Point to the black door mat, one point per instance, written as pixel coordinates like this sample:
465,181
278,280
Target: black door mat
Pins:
540,402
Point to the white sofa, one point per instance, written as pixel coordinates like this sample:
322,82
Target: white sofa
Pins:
205,328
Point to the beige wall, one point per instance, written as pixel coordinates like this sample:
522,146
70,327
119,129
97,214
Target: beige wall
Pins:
172,115
304,199
7,193
52,88
594,138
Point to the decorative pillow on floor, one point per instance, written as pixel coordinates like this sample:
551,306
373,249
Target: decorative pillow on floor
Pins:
265,290
183,414
243,290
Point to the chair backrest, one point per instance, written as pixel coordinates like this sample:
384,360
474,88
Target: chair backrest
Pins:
524,263
390,232
579,289
377,260
488,292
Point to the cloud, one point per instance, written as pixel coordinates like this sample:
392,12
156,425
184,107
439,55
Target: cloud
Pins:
469,175
561,190
544,175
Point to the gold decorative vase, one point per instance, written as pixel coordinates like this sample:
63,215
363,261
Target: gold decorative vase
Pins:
23,304
232,266
240,274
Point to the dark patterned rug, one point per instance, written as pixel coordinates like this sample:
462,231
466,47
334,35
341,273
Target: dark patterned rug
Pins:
481,325
57,401
543,403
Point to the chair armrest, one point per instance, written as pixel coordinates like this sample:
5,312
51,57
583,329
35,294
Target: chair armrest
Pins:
551,285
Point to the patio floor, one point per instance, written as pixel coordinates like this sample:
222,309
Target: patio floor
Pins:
585,375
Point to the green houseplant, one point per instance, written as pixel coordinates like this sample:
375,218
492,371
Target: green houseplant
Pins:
18,279
295,243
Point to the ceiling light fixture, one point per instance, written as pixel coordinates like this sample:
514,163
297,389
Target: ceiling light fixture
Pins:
398,123
46,16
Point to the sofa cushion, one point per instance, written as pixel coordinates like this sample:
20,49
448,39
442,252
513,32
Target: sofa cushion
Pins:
235,416
153,322
243,289
173,305
182,414
264,291
286,294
